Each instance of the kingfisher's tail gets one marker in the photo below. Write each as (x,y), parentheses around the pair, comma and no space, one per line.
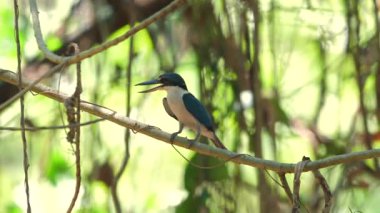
(217,142)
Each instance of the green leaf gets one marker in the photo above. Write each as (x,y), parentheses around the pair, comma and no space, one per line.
(53,42)
(57,168)
(13,208)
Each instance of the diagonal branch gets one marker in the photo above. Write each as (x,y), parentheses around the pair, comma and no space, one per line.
(157,133)
(56,68)
(285,185)
(65,61)
(88,53)
(326,190)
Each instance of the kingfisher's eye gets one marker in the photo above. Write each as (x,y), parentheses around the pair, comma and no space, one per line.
(164,81)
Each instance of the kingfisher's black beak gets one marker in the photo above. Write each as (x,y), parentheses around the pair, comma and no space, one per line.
(154,81)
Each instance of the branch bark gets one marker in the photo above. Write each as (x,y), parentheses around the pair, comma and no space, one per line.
(93,51)
(22,110)
(74,100)
(326,190)
(154,132)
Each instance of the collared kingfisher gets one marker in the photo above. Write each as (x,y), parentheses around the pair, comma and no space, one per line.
(184,107)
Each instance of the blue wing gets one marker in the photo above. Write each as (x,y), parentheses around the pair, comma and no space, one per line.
(197,110)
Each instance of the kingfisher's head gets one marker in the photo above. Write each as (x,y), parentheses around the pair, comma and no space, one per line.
(165,80)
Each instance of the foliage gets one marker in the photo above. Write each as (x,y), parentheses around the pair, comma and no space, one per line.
(283,80)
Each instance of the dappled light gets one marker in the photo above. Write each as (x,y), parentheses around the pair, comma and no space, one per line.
(274,106)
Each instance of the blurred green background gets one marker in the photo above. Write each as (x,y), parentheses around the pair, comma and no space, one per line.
(283,80)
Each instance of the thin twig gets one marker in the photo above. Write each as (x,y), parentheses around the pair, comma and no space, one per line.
(297,183)
(326,190)
(377,75)
(76,98)
(354,39)
(285,185)
(40,128)
(95,50)
(27,88)
(256,142)
(202,166)
(22,109)
(127,133)
(158,134)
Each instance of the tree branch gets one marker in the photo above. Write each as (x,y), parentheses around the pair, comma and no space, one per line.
(158,134)
(88,53)
(326,190)
(285,185)
(297,183)
(56,68)
(22,110)
(74,101)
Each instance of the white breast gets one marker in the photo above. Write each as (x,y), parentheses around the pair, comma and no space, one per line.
(176,104)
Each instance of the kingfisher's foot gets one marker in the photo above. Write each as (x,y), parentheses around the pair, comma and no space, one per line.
(192,141)
(172,137)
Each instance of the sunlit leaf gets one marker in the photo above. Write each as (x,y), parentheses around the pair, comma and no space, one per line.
(57,167)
